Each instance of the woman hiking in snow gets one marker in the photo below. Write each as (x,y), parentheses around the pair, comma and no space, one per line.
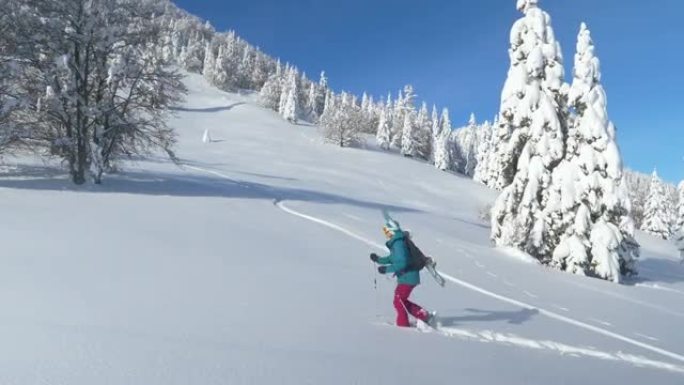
(398,262)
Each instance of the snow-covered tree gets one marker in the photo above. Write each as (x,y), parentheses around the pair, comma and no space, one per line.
(484,151)
(434,117)
(311,103)
(341,122)
(321,92)
(269,96)
(245,68)
(228,61)
(443,143)
(424,134)
(679,215)
(102,88)
(658,211)
(466,143)
(531,134)
(290,109)
(532,97)
(384,129)
(403,105)
(9,73)
(638,186)
(260,71)
(409,145)
(588,208)
(209,68)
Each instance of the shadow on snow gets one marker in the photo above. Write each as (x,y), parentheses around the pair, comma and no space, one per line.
(477,315)
(208,109)
(175,185)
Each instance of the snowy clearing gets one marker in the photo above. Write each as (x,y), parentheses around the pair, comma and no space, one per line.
(249,265)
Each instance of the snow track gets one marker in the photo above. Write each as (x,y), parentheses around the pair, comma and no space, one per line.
(279,203)
(502,298)
(560,348)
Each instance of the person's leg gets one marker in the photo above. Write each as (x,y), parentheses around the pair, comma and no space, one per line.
(401,295)
(415,309)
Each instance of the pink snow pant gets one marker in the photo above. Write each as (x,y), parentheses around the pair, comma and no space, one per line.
(403,305)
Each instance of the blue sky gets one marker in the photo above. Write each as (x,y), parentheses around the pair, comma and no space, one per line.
(454,52)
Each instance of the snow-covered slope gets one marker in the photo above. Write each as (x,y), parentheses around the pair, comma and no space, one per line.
(249,265)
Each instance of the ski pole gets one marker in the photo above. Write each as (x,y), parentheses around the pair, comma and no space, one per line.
(375,287)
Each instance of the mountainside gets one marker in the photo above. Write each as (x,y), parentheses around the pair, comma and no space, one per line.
(248,264)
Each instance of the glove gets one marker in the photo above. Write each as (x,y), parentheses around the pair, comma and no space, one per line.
(382,269)
(374,257)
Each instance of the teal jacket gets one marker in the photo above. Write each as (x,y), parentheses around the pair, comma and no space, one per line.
(398,260)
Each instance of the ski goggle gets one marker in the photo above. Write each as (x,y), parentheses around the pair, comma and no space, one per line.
(387,231)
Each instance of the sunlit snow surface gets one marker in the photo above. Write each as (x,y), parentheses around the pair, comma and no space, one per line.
(249,265)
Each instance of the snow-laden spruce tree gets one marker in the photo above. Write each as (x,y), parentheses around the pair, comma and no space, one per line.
(397,120)
(221,74)
(269,96)
(531,134)
(424,135)
(227,61)
(658,210)
(409,140)
(260,72)
(209,68)
(321,92)
(466,142)
(679,215)
(484,151)
(638,186)
(244,70)
(434,118)
(290,108)
(384,132)
(311,103)
(535,74)
(403,105)
(588,207)
(442,143)
(284,91)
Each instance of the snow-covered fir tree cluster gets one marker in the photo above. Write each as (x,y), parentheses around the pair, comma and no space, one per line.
(100,91)
(91,82)
(556,160)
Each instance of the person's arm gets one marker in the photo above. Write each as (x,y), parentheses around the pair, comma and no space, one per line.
(399,262)
(385,260)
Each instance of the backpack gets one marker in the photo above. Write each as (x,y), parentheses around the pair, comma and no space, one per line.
(417,260)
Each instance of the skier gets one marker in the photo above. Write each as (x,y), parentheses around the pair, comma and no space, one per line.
(397,263)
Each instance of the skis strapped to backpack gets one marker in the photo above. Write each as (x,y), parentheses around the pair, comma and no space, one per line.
(418,260)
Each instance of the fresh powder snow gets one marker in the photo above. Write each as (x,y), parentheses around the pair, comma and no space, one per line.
(248,264)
